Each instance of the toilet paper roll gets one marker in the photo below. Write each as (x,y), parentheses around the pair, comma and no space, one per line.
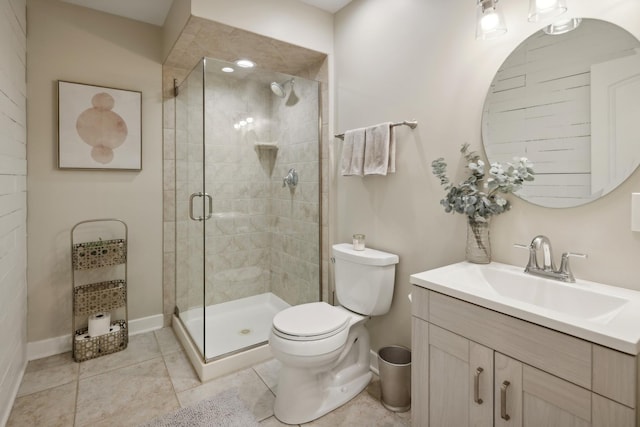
(99,324)
(82,337)
(114,328)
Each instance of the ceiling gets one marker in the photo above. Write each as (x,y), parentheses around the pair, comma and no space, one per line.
(155,11)
(329,5)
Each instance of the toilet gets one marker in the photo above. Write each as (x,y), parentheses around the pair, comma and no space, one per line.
(324,349)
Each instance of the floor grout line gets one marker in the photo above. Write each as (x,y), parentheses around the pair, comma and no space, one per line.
(269,370)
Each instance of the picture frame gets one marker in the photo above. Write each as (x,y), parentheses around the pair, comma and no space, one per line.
(99,127)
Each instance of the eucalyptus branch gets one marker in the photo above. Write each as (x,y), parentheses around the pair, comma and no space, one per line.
(476,197)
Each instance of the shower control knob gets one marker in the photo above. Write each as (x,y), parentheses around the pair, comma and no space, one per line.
(291,179)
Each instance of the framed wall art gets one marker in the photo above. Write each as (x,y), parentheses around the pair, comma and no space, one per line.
(99,127)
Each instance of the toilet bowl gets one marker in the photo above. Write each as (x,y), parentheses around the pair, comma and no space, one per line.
(319,372)
(324,349)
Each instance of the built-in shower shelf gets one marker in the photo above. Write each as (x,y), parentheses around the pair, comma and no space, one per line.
(267,146)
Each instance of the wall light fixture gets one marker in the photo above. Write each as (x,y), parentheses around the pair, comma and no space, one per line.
(562,26)
(543,9)
(490,21)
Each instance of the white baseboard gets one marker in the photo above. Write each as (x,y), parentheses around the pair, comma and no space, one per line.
(6,411)
(58,345)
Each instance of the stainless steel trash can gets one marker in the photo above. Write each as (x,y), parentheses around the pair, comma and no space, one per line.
(394,364)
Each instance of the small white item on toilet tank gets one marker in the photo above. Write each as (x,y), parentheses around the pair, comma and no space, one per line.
(358,242)
(635,211)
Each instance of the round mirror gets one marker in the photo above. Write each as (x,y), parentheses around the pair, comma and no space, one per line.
(570,103)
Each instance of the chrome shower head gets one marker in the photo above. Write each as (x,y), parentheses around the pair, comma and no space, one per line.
(279,88)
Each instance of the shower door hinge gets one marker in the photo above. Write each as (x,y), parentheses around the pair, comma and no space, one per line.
(176,89)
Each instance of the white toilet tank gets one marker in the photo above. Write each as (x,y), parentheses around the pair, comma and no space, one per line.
(364,279)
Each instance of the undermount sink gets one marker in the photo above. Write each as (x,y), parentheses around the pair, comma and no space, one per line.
(604,314)
(570,299)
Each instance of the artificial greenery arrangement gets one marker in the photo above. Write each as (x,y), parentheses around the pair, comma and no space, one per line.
(477,198)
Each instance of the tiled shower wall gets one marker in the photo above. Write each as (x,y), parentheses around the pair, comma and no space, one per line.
(237,237)
(295,214)
(263,237)
(189,139)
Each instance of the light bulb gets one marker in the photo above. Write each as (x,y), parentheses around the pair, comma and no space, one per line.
(249,119)
(489,21)
(546,4)
(245,63)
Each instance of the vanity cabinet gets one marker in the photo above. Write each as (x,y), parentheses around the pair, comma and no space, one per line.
(476,367)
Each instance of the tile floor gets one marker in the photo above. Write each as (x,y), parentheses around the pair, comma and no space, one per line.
(153,377)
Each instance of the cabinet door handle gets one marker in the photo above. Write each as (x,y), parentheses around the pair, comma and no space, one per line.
(476,386)
(503,401)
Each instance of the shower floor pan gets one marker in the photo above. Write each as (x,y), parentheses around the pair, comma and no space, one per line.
(235,333)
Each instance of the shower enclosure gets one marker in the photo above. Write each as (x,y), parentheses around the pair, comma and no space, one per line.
(247,183)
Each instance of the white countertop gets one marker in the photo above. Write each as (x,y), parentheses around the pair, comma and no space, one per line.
(564,307)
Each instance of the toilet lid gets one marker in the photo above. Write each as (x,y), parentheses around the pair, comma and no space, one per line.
(313,320)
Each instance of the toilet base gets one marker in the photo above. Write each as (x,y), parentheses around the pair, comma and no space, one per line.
(334,397)
(306,394)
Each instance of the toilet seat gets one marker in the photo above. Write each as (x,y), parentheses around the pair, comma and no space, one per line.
(310,322)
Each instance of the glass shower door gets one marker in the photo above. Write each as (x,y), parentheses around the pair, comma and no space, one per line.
(246,246)
(193,206)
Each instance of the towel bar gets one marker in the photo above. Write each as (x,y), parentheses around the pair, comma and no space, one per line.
(411,123)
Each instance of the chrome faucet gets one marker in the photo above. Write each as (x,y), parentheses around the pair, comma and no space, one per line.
(548,268)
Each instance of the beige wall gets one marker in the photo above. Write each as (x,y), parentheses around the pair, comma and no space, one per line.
(420,60)
(71,43)
(287,20)
(174,23)
(13,206)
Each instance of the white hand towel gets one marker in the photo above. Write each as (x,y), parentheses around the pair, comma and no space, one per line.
(353,152)
(380,150)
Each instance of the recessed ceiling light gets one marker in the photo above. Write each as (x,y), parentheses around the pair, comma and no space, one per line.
(227,70)
(245,63)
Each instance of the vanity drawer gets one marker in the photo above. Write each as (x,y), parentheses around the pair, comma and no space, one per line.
(551,351)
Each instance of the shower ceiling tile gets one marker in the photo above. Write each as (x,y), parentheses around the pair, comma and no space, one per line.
(204,38)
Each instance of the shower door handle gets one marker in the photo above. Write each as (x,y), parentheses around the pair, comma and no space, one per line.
(200,218)
(210,214)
